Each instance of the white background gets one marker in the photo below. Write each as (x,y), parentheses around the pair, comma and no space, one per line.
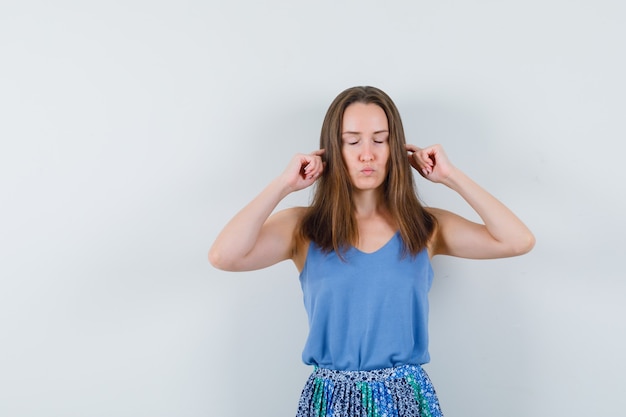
(131,131)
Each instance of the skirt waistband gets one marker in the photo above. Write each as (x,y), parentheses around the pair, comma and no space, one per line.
(376,375)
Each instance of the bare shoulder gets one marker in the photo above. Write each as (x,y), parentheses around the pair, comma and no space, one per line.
(285,223)
(440,214)
(444,220)
(290,219)
(287,219)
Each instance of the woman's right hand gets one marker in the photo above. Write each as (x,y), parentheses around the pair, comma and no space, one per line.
(255,238)
(303,170)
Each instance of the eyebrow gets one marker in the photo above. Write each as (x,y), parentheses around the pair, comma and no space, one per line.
(349,132)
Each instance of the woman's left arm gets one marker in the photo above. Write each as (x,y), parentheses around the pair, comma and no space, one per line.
(502,235)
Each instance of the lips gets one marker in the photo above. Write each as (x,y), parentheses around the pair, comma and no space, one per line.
(367,171)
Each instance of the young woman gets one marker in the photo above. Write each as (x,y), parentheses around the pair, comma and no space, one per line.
(363,249)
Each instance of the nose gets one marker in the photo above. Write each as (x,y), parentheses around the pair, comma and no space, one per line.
(366,153)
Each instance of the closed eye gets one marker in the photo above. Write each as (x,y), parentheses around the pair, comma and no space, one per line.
(381,137)
(351,141)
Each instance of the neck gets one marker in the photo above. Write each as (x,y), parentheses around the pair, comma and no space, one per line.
(368,203)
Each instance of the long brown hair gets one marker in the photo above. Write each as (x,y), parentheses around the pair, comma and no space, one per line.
(330,221)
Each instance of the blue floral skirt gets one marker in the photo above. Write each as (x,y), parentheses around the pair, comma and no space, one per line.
(404,391)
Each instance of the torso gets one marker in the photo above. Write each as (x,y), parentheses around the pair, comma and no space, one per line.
(366,310)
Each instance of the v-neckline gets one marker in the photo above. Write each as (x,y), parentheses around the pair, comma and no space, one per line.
(387,243)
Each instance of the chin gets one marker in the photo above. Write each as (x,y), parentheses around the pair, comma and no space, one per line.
(364,186)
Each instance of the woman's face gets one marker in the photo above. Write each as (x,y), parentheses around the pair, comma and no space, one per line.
(365,144)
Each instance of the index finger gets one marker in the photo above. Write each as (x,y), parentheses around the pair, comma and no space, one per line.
(412,148)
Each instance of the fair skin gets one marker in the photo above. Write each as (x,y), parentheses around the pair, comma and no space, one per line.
(365,151)
(255,238)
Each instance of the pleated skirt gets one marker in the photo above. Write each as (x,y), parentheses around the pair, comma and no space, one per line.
(404,391)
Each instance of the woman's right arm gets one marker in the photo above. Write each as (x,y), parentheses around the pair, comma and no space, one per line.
(255,238)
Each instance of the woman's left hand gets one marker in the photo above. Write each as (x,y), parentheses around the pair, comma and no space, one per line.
(431,162)
(501,235)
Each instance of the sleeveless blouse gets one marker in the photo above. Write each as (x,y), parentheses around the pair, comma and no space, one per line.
(368,311)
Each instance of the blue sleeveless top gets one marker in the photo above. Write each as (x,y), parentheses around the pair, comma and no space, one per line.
(369,311)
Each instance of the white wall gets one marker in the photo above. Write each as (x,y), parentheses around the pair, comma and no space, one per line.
(132,130)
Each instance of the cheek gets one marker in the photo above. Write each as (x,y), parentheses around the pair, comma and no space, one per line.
(347,154)
(345,160)
(387,161)
(344,157)
(386,154)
